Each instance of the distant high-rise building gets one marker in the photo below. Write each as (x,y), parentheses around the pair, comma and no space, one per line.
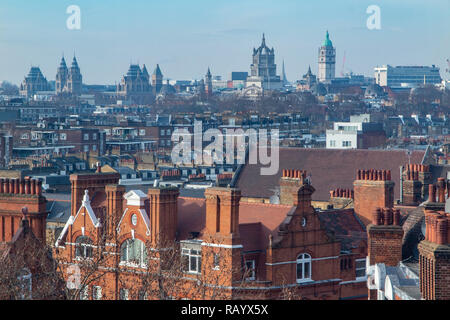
(69,80)
(135,85)
(33,82)
(406,76)
(157,80)
(327,60)
(264,67)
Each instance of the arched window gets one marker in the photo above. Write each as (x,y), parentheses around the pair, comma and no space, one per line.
(83,247)
(303,267)
(133,251)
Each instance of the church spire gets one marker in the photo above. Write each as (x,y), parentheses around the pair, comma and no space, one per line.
(263,44)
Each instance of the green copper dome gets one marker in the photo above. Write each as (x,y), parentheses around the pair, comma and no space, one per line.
(327,42)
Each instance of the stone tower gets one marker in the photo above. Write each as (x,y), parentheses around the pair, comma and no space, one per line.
(61,76)
(208,83)
(263,66)
(327,60)
(157,80)
(75,80)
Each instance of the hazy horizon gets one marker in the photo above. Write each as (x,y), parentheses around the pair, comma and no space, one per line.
(187,37)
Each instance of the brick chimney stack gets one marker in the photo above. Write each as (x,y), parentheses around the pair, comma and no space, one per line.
(115,205)
(94,182)
(385,237)
(222,213)
(291,181)
(15,194)
(372,189)
(163,214)
(416,178)
(221,234)
(434,257)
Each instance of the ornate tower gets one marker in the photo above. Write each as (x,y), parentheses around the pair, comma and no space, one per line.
(61,76)
(33,82)
(263,67)
(208,83)
(157,80)
(75,80)
(327,60)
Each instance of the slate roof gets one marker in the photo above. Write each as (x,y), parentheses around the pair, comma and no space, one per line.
(345,226)
(329,169)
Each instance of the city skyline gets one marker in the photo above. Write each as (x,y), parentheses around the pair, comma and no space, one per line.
(185,40)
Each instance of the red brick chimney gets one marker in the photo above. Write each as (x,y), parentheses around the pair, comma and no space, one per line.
(15,194)
(94,182)
(434,257)
(221,234)
(291,181)
(222,212)
(416,178)
(372,189)
(385,237)
(163,211)
(115,206)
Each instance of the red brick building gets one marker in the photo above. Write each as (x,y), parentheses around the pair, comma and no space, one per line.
(27,269)
(239,249)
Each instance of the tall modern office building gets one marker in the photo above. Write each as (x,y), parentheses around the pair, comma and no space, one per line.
(406,76)
(327,60)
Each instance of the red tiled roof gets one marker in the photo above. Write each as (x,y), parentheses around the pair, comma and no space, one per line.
(258,220)
(329,169)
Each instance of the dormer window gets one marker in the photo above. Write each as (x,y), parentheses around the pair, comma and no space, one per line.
(133,252)
(83,247)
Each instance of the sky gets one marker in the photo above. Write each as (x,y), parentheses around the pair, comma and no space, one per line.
(187,36)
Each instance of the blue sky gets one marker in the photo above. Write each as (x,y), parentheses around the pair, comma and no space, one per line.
(185,37)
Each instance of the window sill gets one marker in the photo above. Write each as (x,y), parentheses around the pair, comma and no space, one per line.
(304,280)
(132,265)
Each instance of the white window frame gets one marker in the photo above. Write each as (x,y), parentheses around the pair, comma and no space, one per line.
(360,268)
(84,247)
(84,293)
(216,261)
(303,260)
(142,254)
(96,293)
(123,294)
(193,255)
(252,274)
